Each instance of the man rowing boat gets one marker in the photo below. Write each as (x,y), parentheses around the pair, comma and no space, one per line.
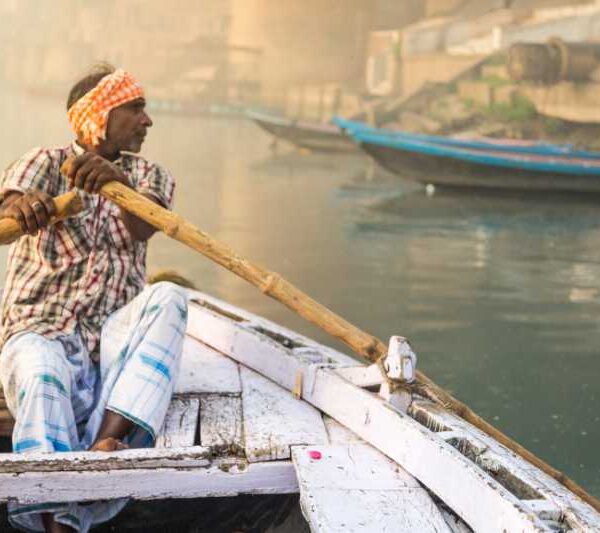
(89,356)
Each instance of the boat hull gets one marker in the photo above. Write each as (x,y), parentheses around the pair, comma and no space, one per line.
(245,512)
(303,134)
(452,172)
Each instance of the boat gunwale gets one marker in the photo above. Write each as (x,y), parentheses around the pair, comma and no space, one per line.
(483,143)
(548,164)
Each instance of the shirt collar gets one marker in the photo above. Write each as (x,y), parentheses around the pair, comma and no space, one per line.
(78,150)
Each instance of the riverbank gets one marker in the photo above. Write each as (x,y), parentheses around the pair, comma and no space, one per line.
(489,104)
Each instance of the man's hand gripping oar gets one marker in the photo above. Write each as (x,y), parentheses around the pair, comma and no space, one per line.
(65,206)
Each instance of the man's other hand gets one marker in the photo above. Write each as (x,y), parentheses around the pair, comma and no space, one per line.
(89,172)
(31,210)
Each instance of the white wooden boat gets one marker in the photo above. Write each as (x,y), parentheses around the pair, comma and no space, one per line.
(260,409)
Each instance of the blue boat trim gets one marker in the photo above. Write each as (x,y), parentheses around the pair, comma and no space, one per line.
(539,148)
(547,164)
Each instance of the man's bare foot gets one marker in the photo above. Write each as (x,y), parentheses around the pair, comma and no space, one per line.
(109,444)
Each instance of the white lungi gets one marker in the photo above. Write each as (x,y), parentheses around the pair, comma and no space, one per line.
(58,395)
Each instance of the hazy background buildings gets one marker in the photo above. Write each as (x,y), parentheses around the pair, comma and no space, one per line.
(233,49)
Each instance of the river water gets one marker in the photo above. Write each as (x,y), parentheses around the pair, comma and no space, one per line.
(498,294)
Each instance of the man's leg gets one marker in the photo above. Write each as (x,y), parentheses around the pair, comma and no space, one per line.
(37,378)
(140,353)
(113,431)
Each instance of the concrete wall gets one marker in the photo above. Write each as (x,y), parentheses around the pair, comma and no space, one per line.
(393,15)
(418,70)
(435,8)
(436,35)
(585,26)
(576,102)
(573,21)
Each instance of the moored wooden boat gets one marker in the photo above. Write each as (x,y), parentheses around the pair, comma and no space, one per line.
(477,143)
(260,409)
(303,133)
(460,167)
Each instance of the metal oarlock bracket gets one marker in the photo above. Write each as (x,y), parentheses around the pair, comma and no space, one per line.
(401,362)
(400,366)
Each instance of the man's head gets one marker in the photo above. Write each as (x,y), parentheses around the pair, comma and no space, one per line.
(107,111)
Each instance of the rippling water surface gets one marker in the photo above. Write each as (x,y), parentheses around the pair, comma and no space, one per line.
(498,294)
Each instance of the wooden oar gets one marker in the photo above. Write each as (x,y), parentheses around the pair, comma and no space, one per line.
(67,205)
(280,289)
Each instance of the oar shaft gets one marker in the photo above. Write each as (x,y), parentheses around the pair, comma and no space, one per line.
(67,205)
(268,282)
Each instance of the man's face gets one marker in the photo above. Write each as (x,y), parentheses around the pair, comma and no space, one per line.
(127,126)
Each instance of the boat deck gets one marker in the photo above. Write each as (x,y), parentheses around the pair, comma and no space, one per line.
(259,409)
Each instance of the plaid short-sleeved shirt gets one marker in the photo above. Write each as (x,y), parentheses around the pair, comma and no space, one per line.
(73,275)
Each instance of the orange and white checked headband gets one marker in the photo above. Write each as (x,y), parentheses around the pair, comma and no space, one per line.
(89,115)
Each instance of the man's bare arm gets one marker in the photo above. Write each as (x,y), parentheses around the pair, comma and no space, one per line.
(139,229)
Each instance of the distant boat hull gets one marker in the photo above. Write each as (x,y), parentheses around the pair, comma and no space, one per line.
(480,143)
(448,167)
(304,134)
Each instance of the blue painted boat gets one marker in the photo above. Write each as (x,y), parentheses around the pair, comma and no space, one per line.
(446,165)
(499,145)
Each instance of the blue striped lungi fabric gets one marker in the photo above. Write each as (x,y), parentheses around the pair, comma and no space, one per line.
(58,396)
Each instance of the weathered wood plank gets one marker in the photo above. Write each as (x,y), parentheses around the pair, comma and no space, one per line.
(181,421)
(397,435)
(204,370)
(246,346)
(249,320)
(221,423)
(339,434)
(425,456)
(225,478)
(455,524)
(351,466)
(145,458)
(363,375)
(512,470)
(356,488)
(274,420)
